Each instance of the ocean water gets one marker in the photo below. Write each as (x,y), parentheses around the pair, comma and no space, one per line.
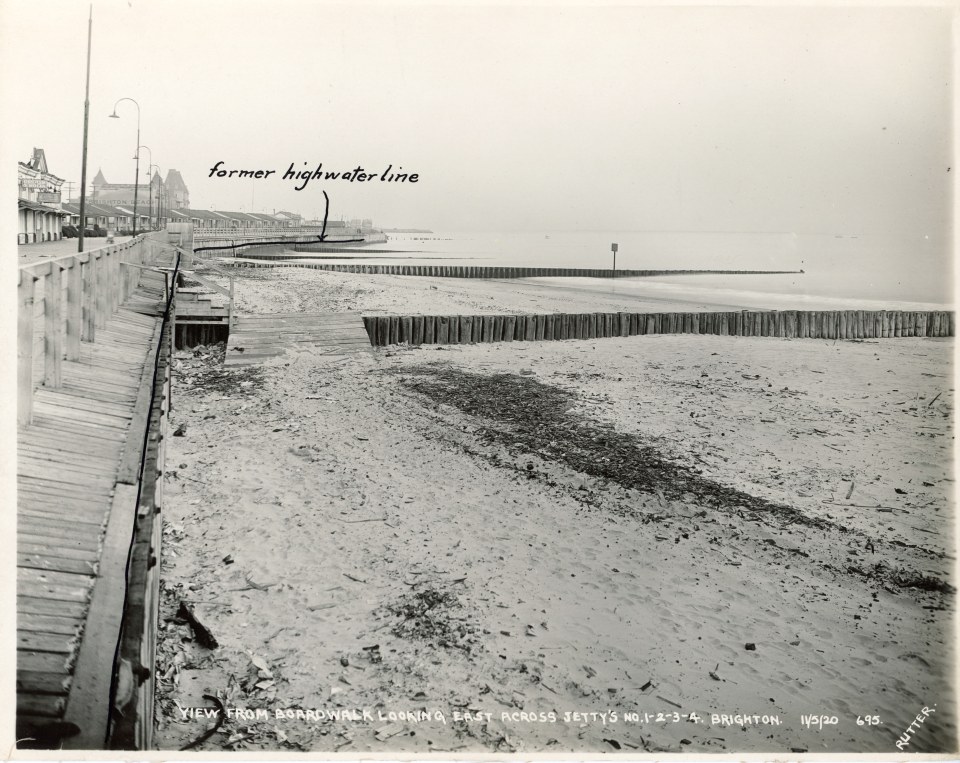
(885,268)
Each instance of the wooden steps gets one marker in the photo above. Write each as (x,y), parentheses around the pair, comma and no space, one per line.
(255,338)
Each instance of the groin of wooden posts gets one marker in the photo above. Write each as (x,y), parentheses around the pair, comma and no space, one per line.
(478,271)
(792,324)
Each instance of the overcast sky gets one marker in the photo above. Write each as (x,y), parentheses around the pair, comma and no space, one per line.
(535,118)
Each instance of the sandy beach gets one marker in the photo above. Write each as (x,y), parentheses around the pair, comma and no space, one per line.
(673,543)
(309,290)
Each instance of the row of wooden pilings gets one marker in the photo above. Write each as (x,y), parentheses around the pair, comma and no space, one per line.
(801,324)
(62,302)
(482,271)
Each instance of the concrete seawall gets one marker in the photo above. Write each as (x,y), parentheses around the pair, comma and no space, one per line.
(793,324)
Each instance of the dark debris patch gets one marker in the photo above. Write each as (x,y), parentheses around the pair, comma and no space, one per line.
(533,417)
(432,614)
(201,369)
(525,415)
(882,572)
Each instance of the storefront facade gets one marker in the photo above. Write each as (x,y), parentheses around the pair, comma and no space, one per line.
(39,209)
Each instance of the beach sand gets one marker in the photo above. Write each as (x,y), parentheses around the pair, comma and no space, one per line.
(658,525)
(318,290)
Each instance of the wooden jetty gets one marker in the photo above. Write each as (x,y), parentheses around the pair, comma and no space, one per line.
(90,340)
(384,330)
(256,338)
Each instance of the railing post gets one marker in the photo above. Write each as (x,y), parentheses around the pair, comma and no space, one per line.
(74,297)
(114,280)
(52,327)
(100,283)
(89,309)
(230,309)
(25,292)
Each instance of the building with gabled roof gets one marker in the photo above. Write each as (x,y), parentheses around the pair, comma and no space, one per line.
(39,213)
(177,193)
(288,219)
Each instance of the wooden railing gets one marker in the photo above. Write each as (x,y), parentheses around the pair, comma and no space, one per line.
(63,301)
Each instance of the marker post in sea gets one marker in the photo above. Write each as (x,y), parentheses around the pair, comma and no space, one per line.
(613,248)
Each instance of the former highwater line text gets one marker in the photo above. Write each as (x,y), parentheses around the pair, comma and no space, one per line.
(357,175)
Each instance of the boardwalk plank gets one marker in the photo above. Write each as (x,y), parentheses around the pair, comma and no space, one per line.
(49,624)
(54,562)
(46,705)
(38,682)
(46,642)
(43,662)
(27,605)
(30,547)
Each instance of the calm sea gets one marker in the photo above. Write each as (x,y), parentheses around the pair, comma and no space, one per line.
(916,269)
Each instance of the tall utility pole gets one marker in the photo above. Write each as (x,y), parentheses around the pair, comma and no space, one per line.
(86,119)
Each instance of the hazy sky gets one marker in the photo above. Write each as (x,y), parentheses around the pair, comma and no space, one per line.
(515,118)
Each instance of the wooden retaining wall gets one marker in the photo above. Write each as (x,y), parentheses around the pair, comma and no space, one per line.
(480,271)
(800,324)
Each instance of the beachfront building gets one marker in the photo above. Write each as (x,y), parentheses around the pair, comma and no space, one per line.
(288,219)
(202,219)
(39,212)
(253,223)
(177,194)
(109,217)
(153,198)
(266,221)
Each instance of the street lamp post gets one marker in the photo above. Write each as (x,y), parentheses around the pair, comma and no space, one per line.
(159,195)
(86,120)
(136,185)
(149,184)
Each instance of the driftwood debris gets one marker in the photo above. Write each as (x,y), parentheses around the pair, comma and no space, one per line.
(203,635)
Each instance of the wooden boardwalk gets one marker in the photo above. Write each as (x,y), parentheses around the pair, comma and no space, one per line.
(255,338)
(77,473)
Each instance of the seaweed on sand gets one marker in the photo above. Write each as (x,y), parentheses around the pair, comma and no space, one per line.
(526,415)
(428,616)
